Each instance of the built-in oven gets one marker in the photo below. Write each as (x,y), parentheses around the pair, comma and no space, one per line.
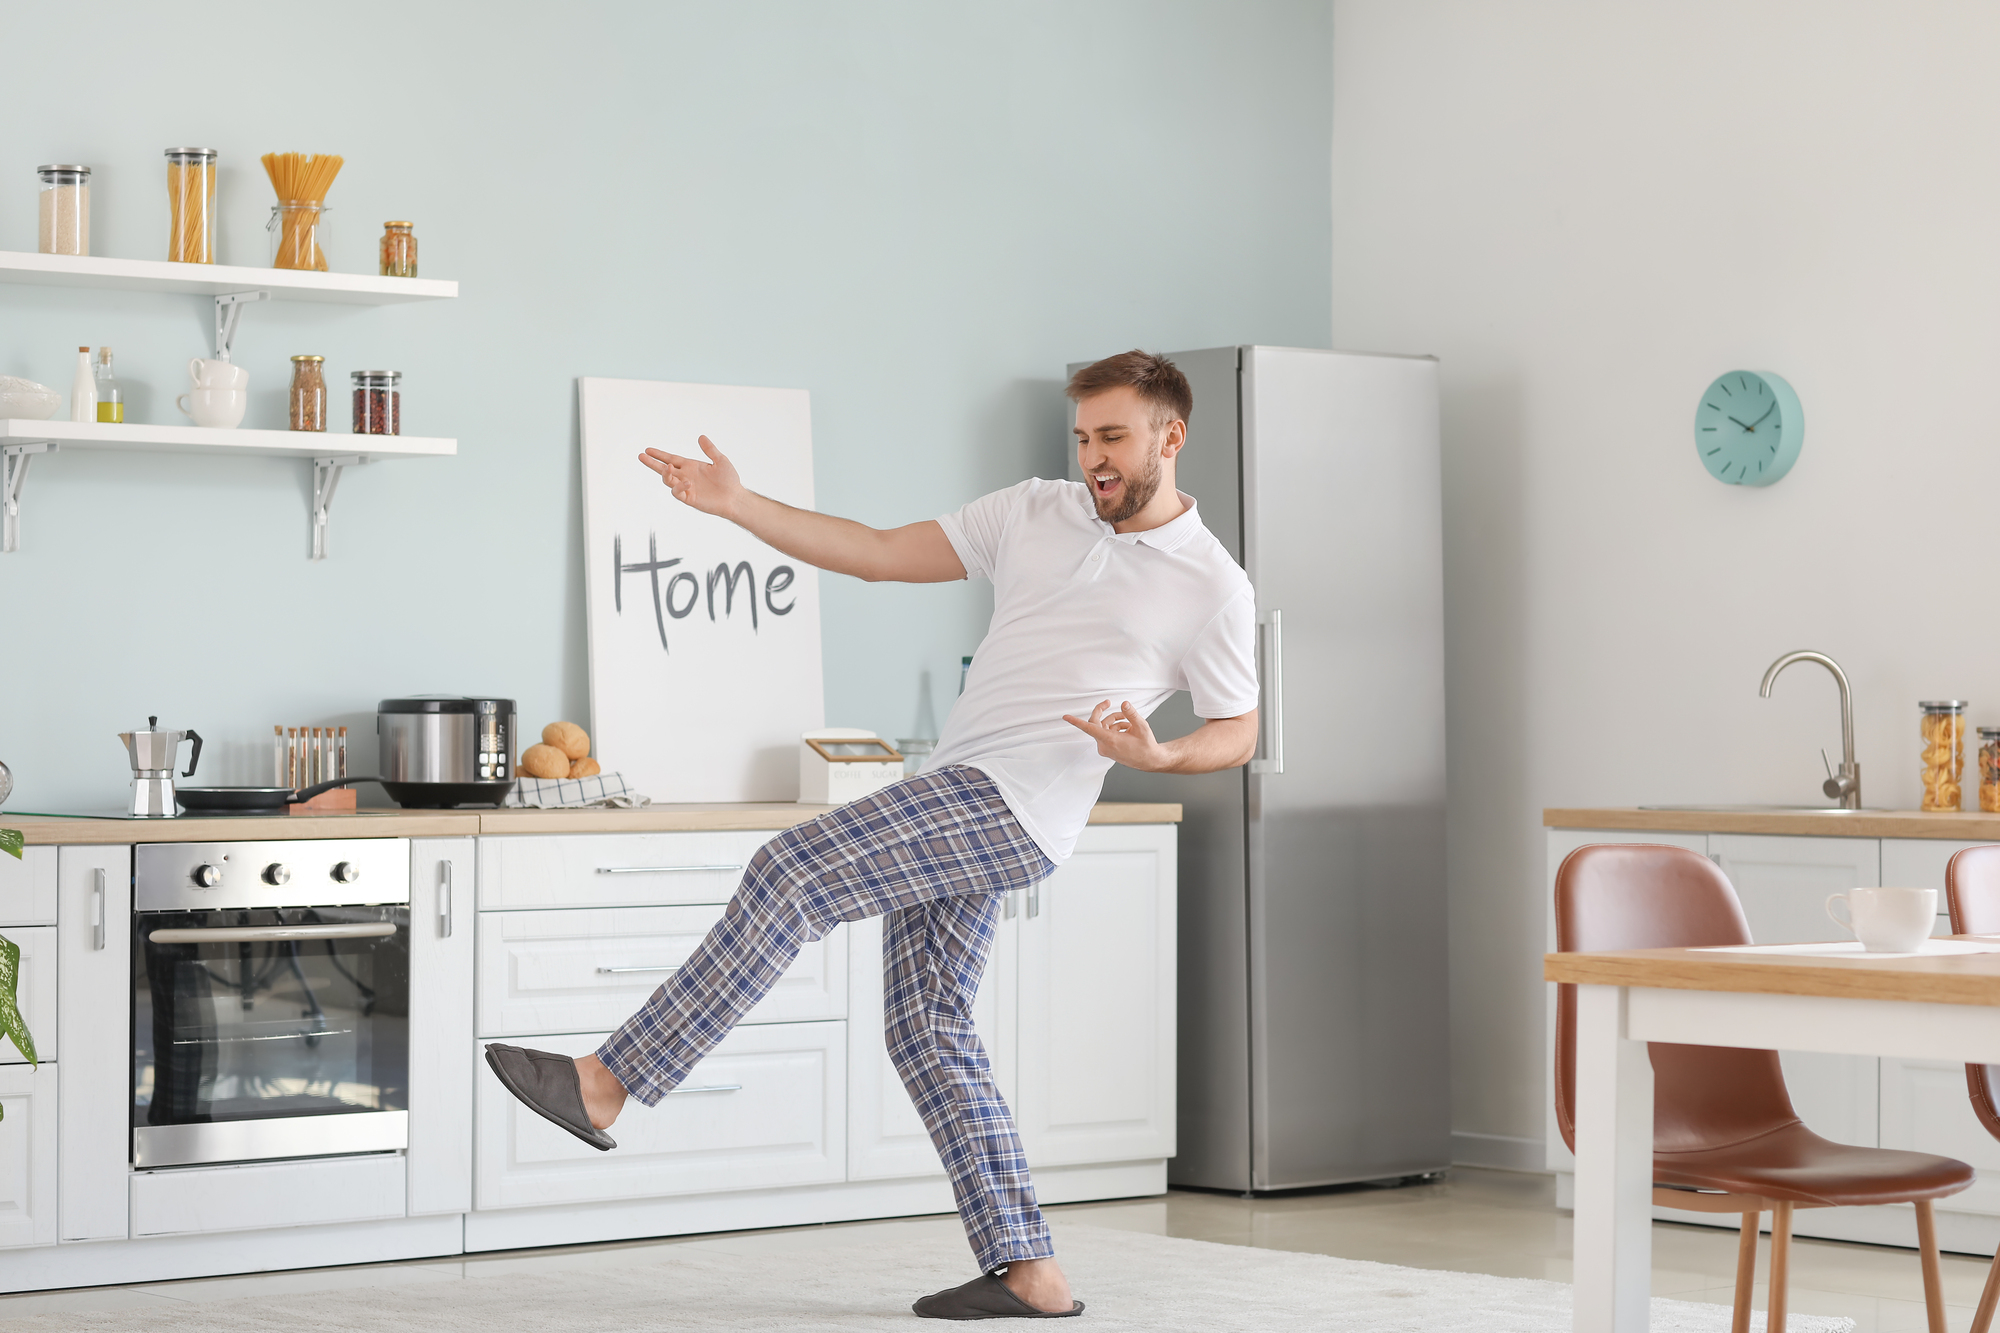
(270,1000)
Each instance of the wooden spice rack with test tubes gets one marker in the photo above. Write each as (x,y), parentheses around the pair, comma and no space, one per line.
(308,756)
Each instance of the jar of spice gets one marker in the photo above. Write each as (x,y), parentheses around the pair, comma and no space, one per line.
(399,250)
(191,205)
(1942,727)
(65,210)
(378,402)
(308,393)
(1989,769)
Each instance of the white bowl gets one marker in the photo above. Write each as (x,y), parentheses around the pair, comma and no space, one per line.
(27,400)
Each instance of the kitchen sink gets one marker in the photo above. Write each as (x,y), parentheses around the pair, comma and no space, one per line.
(1772,809)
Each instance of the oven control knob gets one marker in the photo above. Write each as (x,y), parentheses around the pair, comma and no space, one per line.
(276,874)
(346,872)
(207,876)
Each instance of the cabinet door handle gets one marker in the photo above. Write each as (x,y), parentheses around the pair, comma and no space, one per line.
(444,900)
(1035,899)
(1008,907)
(614,971)
(97,912)
(708,1087)
(657,870)
(1274,692)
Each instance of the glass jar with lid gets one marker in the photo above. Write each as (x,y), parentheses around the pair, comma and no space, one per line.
(1942,726)
(65,209)
(399,250)
(308,393)
(378,402)
(1989,769)
(191,205)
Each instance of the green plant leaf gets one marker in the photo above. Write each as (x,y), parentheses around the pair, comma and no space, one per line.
(11,1022)
(10,842)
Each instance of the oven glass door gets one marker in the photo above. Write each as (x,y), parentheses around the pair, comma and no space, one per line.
(269,1032)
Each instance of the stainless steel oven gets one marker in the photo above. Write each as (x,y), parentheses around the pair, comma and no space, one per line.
(270,999)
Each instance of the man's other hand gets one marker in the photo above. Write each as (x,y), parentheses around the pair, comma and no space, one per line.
(712,487)
(1122,736)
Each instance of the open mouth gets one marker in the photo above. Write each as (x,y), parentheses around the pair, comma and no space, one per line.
(1106,483)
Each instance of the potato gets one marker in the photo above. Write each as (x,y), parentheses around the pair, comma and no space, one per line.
(544,761)
(584,768)
(568,737)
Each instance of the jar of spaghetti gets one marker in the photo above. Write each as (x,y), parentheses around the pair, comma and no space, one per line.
(378,402)
(296,228)
(1942,726)
(399,250)
(191,205)
(1989,769)
(308,393)
(65,209)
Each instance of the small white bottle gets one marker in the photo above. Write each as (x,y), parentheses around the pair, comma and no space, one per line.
(83,389)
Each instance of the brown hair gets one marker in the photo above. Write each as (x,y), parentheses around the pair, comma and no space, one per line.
(1157,379)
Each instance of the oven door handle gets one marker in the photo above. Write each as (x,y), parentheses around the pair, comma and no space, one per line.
(359,930)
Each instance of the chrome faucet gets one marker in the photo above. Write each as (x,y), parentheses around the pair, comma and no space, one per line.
(1845,785)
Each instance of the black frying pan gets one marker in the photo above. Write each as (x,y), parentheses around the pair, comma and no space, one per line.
(252,800)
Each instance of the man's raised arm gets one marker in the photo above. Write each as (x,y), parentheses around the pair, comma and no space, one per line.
(918,553)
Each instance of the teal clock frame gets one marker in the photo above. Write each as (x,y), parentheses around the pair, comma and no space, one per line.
(1719,431)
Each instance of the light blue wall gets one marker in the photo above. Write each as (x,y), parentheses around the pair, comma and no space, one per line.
(917,211)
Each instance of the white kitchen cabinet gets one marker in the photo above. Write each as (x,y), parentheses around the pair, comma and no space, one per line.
(255,1195)
(28,1206)
(36,993)
(765,1108)
(612,869)
(94,984)
(1926,1107)
(588,970)
(1096,1042)
(443,931)
(28,888)
(1919,863)
(1783,883)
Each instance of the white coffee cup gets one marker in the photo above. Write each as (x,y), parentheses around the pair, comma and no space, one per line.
(1888,920)
(216,408)
(217,374)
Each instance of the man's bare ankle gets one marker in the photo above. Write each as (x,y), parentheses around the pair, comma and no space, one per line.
(603,1095)
(1039,1282)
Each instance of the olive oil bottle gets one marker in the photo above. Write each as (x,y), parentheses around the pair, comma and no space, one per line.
(110,398)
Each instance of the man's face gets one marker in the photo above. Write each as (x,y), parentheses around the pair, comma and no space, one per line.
(1120,450)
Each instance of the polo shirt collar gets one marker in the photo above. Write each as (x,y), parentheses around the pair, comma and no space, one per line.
(1167,537)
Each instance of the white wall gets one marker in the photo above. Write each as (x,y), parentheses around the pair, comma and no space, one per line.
(1588,210)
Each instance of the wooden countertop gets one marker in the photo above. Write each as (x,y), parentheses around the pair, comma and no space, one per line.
(1947,979)
(1960,826)
(47,830)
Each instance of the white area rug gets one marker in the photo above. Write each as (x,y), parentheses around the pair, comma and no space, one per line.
(1129,1280)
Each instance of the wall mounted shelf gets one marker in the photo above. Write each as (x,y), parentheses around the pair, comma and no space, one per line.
(159,275)
(21,441)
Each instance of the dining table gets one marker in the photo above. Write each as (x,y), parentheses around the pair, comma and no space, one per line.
(1941,1004)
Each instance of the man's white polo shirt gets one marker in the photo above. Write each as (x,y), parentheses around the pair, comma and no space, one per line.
(1082,614)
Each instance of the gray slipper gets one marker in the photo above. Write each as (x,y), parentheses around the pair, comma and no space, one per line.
(985,1297)
(547,1085)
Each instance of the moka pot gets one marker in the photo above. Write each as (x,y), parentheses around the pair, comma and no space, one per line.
(154,753)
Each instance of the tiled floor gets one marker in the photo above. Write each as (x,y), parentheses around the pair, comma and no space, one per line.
(1474,1221)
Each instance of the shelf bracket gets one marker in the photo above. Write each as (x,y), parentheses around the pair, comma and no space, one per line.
(14,459)
(326,476)
(228,308)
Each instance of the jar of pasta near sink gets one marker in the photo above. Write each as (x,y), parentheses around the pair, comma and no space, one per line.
(1941,724)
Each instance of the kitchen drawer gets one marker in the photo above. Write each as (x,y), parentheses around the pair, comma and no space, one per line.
(612,869)
(28,887)
(255,1195)
(546,971)
(767,1108)
(37,992)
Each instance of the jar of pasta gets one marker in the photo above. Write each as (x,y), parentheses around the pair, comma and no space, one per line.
(191,205)
(1989,769)
(1942,727)
(399,250)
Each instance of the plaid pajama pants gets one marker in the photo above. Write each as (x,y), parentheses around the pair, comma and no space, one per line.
(933,855)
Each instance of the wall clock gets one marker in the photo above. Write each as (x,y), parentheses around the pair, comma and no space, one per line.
(1748,428)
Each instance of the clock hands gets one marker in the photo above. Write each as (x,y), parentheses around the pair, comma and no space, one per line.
(1751,427)
(1746,428)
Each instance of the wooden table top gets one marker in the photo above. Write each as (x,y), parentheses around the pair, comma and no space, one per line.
(1945,979)
(1958,825)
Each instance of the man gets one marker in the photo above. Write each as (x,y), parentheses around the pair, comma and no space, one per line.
(1108,588)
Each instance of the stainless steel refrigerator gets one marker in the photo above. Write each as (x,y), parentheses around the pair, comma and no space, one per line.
(1313,1024)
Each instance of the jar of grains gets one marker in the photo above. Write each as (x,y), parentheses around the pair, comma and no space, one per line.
(65,210)
(1989,769)
(1942,727)
(308,395)
(378,402)
(191,205)
(399,250)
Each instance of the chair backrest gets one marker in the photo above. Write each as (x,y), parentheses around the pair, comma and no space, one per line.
(1641,896)
(1972,897)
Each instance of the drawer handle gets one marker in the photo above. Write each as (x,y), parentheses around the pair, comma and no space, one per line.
(612,971)
(657,870)
(709,1087)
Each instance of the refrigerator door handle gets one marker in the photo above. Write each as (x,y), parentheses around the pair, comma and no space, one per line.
(1271,627)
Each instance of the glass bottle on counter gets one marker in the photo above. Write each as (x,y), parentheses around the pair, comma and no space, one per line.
(191,205)
(1989,770)
(308,393)
(1942,726)
(64,209)
(110,398)
(399,250)
(378,402)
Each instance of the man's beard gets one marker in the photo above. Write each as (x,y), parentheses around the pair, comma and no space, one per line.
(1134,495)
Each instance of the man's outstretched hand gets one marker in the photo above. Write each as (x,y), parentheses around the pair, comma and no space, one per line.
(712,487)
(1122,736)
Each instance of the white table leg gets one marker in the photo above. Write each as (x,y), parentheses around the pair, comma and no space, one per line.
(1613,1241)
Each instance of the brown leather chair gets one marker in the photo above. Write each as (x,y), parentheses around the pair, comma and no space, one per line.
(1725,1137)
(1972,896)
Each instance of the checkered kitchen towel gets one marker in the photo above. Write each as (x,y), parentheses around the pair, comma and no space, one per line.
(606,789)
